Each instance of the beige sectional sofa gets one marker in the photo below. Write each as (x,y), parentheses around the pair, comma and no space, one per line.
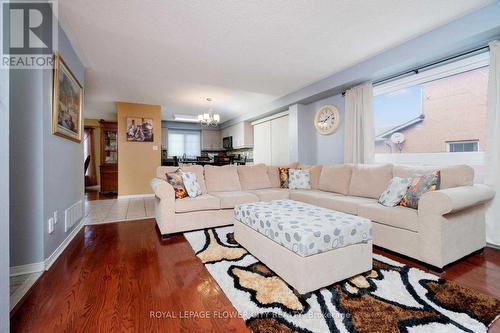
(448,225)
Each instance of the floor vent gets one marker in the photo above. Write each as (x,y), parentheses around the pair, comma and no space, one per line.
(72,215)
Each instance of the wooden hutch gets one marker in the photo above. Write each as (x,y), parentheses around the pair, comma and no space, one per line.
(109,157)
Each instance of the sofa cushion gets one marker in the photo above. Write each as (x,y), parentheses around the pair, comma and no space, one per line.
(369,180)
(222,178)
(335,178)
(314,172)
(201,202)
(299,179)
(231,199)
(253,177)
(274,174)
(399,217)
(162,171)
(269,194)
(310,196)
(343,203)
(451,176)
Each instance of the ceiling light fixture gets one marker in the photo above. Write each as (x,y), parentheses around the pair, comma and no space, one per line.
(209,119)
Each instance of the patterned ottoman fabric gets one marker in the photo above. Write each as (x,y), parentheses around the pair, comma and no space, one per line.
(302,228)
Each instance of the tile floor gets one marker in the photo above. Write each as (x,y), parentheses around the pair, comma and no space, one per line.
(114,210)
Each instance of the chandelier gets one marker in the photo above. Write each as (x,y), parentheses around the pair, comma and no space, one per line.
(209,118)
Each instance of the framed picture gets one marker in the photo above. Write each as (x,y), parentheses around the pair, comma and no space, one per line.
(67,102)
(140,129)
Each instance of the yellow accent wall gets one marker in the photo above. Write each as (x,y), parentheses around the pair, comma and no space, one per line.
(137,161)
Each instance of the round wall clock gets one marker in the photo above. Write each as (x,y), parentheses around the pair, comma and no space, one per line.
(327,119)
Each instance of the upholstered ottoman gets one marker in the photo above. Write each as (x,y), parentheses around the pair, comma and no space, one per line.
(307,246)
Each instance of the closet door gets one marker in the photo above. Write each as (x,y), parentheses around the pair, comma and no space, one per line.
(262,143)
(280,150)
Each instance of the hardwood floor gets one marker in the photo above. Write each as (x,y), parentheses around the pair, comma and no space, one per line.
(122,277)
(91,195)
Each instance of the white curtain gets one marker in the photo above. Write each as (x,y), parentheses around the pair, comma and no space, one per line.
(493,153)
(359,141)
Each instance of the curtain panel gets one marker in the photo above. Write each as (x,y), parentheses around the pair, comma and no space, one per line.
(359,143)
(493,153)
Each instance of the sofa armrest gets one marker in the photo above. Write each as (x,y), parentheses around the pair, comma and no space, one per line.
(162,189)
(454,199)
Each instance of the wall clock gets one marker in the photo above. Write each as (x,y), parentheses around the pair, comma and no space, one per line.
(327,119)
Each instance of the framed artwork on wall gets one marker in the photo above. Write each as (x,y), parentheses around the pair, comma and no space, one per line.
(67,102)
(140,129)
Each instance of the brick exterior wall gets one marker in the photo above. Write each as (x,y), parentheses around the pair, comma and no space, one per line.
(454,109)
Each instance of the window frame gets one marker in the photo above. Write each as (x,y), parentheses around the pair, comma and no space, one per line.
(435,73)
(449,143)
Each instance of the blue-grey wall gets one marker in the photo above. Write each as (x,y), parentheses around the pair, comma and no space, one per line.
(46,171)
(4,202)
(26,166)
(306,144)
(63,159)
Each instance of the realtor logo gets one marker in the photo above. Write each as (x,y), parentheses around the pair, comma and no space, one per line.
(29,34)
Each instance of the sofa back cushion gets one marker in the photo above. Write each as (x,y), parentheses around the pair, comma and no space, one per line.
(253,177)
(369,180)
(274,174)
(314,173)
(161,172)
(335,178)
(222,178)
(451,176)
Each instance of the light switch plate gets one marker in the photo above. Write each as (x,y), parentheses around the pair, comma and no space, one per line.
(155,147)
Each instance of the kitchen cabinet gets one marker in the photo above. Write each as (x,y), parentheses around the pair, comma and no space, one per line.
(242,134)
(211,140)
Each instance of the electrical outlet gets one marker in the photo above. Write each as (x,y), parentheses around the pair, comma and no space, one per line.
(51,225)
(55,217)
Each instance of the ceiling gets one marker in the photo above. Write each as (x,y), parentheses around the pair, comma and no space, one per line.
(243,54)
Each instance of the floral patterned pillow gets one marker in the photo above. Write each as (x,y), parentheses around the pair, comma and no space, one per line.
(175,179)
(299,179)
(283,177)
(395,191)
(420,185)
(191,184)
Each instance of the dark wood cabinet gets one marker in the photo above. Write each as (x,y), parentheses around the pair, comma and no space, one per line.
(109,157)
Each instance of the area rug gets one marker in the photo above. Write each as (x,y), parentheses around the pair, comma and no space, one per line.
(392,297)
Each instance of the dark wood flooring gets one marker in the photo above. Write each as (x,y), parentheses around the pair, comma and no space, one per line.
(91,194)
(114,277)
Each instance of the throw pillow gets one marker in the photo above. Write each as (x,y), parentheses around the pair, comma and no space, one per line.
(299,179)
(418,186)
(395,191)
(283,177)
(191,184)
(175,179)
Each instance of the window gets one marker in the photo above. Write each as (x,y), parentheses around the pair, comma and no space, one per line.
(182,142)
(463,146)
(441,113)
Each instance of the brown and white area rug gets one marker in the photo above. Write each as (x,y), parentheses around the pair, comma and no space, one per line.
(391,298)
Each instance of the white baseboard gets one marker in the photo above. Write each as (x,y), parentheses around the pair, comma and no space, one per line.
(136,196)
(27,269)
(494,246)
(53,257)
